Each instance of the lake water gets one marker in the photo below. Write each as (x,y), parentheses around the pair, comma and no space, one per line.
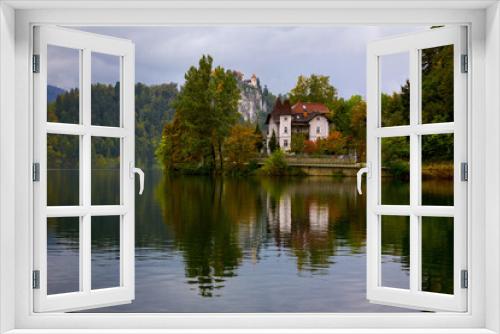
(247,244)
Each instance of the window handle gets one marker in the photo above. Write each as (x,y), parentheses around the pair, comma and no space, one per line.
(135,170)
(359,176)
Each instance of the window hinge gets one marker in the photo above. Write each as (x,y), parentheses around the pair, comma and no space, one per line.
(36,279)
(464,279)
(36,63)
(464,171)
(465,63)
(36,172)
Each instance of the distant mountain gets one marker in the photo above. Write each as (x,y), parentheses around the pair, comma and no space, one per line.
(53,92)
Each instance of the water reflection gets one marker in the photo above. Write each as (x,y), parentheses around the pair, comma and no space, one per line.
(259,245)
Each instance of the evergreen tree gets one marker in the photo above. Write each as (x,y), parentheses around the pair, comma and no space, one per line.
(206,109)
(259,144)
(273,143)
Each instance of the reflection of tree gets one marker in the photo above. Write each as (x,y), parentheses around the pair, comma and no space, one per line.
(203,229)
(437,254)
(395,239)
(218,222)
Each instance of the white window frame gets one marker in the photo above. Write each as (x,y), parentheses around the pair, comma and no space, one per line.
(412,45)
(16,20)
(85,44)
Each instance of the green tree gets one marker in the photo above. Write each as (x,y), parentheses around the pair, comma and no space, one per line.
(275,164)
(206,109)
(224,96)
(396,156)
(358,129)
(297,144)
(342,109)
(396,107)
(316,88)
(437,84)
(273,143)
(152,110)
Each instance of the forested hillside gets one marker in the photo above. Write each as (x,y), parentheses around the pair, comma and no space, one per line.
(152,110)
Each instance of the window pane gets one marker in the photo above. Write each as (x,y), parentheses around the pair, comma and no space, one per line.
(63,250)
(437,84)
(395,248)
(395,89)
(395,171)
(63,175)
(63,82)
(105,252)
(105,171)
(437,254)
(105,90)
(437,169)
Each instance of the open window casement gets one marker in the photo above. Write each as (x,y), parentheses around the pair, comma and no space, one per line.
(451,218)
(77,134)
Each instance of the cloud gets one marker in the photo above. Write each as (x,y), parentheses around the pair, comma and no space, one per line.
(277,55)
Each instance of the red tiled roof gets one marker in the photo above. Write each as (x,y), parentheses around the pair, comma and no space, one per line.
(310,107)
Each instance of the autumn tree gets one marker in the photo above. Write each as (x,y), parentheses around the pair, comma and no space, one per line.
(334,144)
(240,147)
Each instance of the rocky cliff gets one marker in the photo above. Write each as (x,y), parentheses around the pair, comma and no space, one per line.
(255,102)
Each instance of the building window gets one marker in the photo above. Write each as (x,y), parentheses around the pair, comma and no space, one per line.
(285,143)
(286,130)
(318,129)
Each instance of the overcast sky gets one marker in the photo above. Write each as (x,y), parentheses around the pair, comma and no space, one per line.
(277,55)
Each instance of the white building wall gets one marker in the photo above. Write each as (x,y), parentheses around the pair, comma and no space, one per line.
(318,123)
(285,132)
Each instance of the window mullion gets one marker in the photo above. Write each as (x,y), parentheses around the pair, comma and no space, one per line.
(85,172)
(414,172)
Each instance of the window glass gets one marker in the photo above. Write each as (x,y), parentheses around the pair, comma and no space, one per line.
(395,171)
(105,164)
(105,252)
(63,255)
(437,254)
(437,84)
(437,169)
(395,89)
(105,90)
(63,85)
(395,251)
(63,170)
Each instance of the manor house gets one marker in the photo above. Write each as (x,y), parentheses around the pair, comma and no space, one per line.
(309,118)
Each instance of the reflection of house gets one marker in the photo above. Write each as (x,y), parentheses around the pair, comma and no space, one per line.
(280,216)
(308,118)
(285,213)
(318,217)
